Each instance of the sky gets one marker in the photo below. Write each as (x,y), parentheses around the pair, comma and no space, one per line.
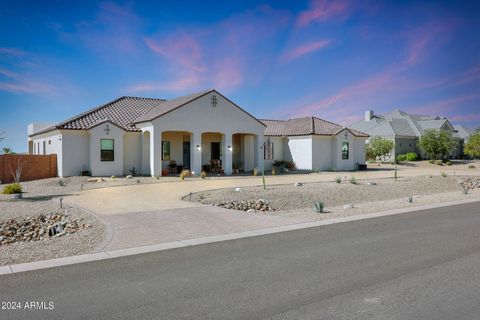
(276,59)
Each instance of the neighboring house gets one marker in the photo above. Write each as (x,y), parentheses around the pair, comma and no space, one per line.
(405,129)
(315,144)
(197,132)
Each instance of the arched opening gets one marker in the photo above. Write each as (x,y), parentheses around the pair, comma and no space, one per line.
(243,152)
(212,152)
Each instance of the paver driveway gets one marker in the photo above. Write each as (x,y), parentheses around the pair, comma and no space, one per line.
(154,213)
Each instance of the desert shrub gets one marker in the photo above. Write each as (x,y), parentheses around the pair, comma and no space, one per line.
(439,162)
(443,174)
(61,183)
(448,163)
(133,171)
(274,171)
(203,174)
(410,199)
(319,206)
(471,166)
(353,180)
(256,171)
(431,161)
(113,177)
(465,190)
(338,179)
(411,156)
(401,157)
(183,174)
(290,165)
(13,188)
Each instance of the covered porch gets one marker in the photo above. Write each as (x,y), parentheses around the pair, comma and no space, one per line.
(170,152)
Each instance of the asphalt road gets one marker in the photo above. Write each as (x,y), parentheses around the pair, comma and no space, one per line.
(422,265)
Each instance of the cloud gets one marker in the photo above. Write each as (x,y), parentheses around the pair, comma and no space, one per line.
(218,55)
(12,51)
(419,42)
(322,10)
(445,106)
(22,83)
(305,49)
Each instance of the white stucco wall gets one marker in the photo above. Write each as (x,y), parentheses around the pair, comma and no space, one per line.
(106,168)
(278,146)
(132,147)
(75,152)
(359,150)
(301,151)
(322,153)
(199,116)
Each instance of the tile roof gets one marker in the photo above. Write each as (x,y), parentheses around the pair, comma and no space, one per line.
(121,112)
(305,126)
(170,105)
(400,123)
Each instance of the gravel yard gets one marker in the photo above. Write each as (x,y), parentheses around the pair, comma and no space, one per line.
(365,196)
(37,200)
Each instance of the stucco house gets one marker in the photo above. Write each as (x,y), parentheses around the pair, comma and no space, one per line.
(405,129)
(201,131)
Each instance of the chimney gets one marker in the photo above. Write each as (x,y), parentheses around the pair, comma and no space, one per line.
(368,115)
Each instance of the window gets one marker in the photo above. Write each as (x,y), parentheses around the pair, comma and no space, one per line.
(106,150)
(345,150)
(49,141)
(166,150)
(268,151)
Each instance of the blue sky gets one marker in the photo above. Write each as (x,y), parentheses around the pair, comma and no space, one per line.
(277,59)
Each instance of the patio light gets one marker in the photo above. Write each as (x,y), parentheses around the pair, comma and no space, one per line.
(229,148)
(198,147)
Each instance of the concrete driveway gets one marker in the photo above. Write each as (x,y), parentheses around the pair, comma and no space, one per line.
(146,214)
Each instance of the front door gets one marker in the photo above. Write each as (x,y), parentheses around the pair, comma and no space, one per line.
(186,155)
(215,151)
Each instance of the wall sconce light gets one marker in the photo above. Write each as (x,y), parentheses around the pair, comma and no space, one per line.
(229,148)
(198,147)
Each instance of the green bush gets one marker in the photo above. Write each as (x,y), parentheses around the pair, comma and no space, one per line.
(471,166)
(443,174)
(412,156)
(439,162)
(338,179)
(401,157)
(353,180)
(13,188)
(290,165)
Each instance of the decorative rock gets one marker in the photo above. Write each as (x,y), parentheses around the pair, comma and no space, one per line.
(129,177)
(92,180)
(348,206)
(248,205)
(26,229)
(238,189)
(372,183)
(298,184)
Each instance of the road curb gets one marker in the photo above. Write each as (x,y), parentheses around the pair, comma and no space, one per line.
(109,254)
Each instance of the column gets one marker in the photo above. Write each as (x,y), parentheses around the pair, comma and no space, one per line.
(227,153)
(156,152)
(196,152)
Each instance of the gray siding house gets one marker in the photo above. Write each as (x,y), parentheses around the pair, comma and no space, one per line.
(405,129)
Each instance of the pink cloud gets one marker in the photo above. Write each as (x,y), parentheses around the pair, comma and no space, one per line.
(472,117)
(219,55)
(321,10)
(444,106)
(20,83)
(305,49)
(13,51)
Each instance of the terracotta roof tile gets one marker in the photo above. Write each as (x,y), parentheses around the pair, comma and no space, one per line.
(305,126)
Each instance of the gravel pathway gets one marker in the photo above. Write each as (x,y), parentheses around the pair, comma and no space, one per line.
(383,194)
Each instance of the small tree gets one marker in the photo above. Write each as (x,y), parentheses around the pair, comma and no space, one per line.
(436,144)
(472,147)
(7,150)
(378,147)
(17,173)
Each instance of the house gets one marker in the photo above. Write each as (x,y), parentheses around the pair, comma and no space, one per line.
(315,144)
(201,131)
(405,129)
